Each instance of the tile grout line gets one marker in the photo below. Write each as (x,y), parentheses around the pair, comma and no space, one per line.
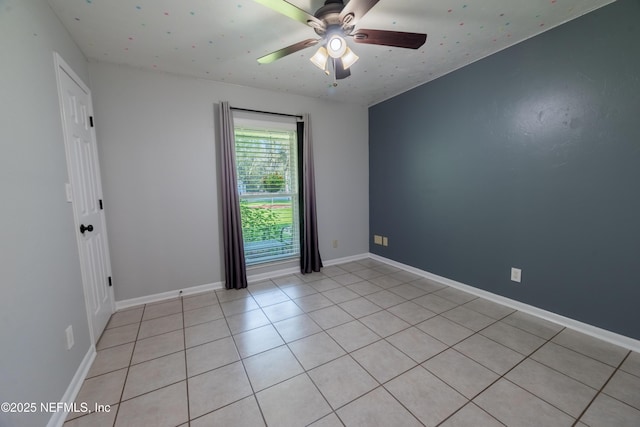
(139,323)
(450,347)
(130,365)
(349,353)
(382,309)
(285,343)
(168,385)
(186,366)
(380,385)
(562,328)
(577,352)
(228,364)
(323,330)
(600,391)
(124,384)
(304,370)
(548,340)
(500,376)
(335,411)
(184,338)
(240,359)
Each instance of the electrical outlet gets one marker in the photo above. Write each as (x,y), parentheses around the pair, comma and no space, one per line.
(516,274)
(70,341)
(385,241)
(335,244)
(377,239)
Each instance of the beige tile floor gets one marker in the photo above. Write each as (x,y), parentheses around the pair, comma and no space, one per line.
(361,344)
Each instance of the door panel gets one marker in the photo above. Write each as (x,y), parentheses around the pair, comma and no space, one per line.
(84,174)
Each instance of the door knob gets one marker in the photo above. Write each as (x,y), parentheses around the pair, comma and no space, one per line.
(88,228)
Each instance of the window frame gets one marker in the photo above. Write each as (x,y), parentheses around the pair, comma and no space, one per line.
(271,252)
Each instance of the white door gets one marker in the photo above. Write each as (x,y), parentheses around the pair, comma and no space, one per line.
(84,174)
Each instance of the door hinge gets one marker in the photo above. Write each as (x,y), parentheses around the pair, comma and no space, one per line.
(101,206)
(110,283)
(91,121)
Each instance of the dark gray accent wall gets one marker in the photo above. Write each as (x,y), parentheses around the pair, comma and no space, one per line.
(529,158)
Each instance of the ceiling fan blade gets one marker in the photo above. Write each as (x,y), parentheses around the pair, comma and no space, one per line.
(281,53)
(390,38)
(354,10)
(341,73)
(293,12)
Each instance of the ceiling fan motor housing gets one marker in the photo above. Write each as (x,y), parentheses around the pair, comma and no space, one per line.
(329,14)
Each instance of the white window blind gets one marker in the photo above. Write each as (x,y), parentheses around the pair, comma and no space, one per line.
(267,172)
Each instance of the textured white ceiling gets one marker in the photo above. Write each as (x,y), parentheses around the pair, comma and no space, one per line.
(221,39)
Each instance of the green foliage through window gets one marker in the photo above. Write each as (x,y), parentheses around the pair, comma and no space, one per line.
(258,223)
(273,183)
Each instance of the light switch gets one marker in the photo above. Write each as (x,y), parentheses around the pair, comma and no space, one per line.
(68,192)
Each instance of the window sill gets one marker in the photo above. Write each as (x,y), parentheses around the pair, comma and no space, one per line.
(288,259)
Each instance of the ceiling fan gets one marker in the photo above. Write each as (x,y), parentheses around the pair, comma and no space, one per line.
(333,22)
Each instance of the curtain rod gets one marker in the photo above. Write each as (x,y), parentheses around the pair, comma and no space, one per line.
(266,112)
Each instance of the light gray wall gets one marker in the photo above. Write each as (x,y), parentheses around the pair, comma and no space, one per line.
(40,270)
(157,142)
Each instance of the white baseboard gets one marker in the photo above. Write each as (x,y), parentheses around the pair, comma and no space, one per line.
(57,419)
(293,270)
(346,259)
(163,296)
(603,334)
(272,274)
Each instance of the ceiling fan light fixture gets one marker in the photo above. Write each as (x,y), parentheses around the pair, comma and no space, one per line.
(336,46)
(319,59)
(349,58)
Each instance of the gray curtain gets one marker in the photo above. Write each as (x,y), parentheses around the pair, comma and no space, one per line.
(309,253)
(234,267)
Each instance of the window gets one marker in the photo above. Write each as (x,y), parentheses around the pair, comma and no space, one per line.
(266,163)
